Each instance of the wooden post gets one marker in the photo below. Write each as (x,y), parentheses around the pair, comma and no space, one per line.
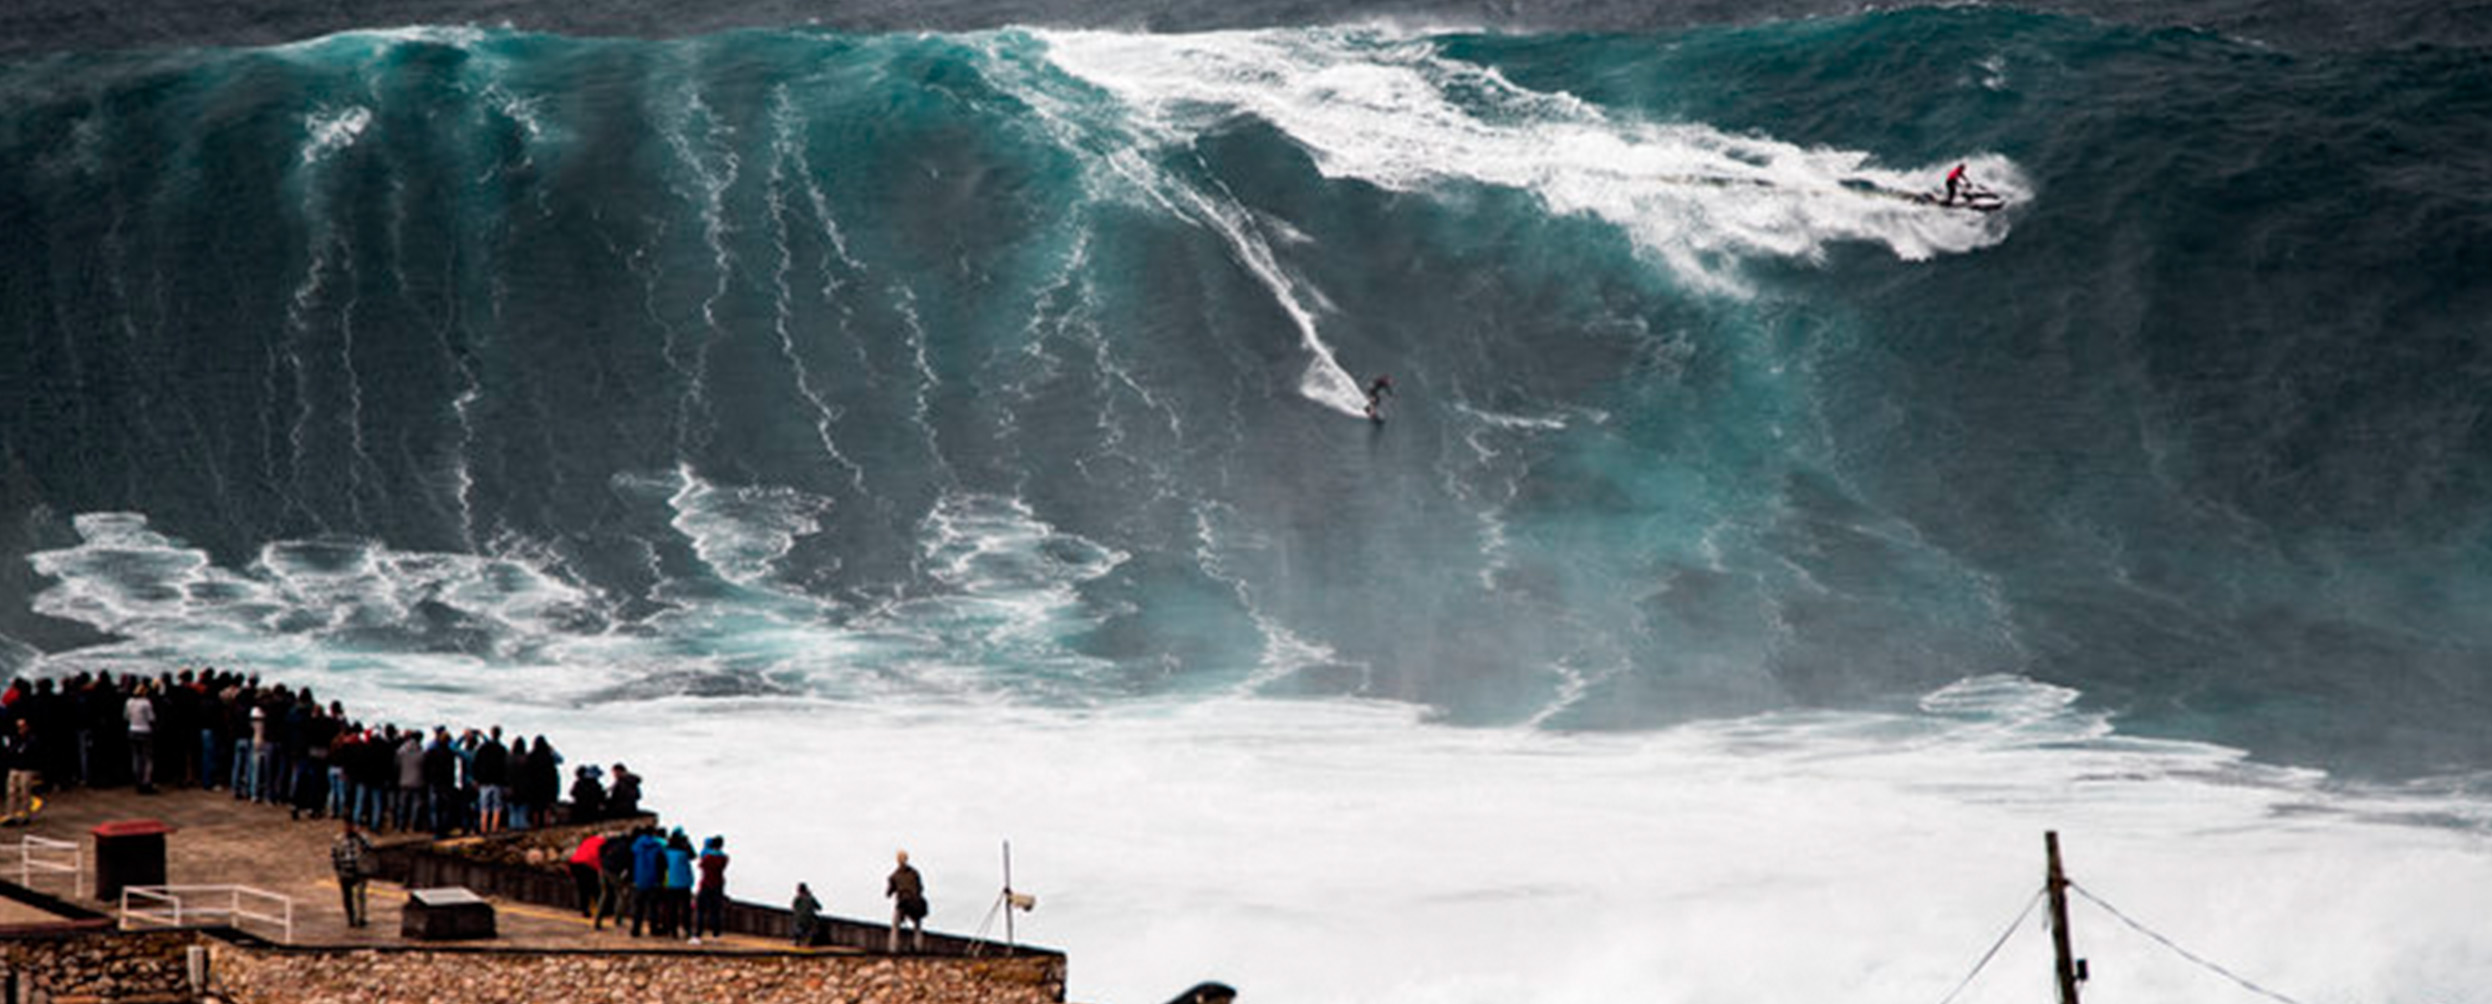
(2056,882)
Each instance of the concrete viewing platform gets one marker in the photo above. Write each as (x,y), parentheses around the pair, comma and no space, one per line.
(59,942)
(218,840)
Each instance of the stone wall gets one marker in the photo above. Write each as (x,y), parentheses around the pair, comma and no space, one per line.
(279,976)
(102,966)
(546,847)
(151,968)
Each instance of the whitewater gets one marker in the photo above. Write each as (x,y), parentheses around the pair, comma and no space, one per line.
(932,439)
(1350,850)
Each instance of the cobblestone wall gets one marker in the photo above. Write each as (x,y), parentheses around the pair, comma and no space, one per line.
(264,976)
(147,966)
(132,968)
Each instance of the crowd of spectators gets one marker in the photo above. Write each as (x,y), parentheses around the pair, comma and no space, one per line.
(270,743)
(280,745)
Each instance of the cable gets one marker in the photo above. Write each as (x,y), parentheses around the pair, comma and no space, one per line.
(2183,952)
(1995,946)
(978,941)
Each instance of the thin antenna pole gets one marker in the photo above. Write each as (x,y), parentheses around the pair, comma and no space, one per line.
(2056,883)
(1009,943)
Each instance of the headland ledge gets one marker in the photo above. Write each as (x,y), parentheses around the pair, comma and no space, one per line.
(203,836)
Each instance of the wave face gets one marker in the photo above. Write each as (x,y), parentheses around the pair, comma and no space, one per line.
(1026,365)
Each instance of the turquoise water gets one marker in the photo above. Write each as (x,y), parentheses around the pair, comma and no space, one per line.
(919,438)
(1692,419)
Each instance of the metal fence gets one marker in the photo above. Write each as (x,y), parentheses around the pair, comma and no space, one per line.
(196,905)
(42,856)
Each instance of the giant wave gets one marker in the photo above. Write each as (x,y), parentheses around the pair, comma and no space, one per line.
(756,322)
(983,407)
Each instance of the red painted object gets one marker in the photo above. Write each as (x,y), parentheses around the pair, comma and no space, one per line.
(128,852)
(132,828)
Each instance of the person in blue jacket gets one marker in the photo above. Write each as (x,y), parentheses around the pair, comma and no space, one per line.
(648,877)
(677,912)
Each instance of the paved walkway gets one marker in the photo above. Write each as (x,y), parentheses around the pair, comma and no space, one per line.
(218,840)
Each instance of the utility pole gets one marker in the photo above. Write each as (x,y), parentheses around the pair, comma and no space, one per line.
(2068,968)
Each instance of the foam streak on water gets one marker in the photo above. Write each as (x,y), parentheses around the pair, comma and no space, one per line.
(1393,112)
(1345,851)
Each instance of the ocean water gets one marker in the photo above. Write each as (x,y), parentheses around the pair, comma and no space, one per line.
(942,426)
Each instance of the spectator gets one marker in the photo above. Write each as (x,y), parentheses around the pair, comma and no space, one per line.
(289,712)
(907,891)
(441,781)
(807,923)
(351,855)
(263,753)
(311,778)
(373,767)
(25,759)
(177,728)
(544,783)
(328,731)
(140,711)
(648,877)
(345,750)
(623,799)
(519,783)
(588,797)
(211,721)
(710,906)
(490,766)
(614,877)
(410,763)
(583,868)
(677,912)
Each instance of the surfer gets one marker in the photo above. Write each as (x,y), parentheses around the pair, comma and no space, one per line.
(1955,183)
(1376,393)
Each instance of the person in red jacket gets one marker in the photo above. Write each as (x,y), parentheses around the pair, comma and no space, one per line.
(583,868)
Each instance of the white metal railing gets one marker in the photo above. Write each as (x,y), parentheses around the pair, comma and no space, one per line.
(30,864)
(181,905)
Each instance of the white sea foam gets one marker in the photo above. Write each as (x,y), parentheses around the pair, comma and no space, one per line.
(330,130)
(1323,851)
(1347,852)
(168,598)
(742,531)
(1396,113)
(1007,597)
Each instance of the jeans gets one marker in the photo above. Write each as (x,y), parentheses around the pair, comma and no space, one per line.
(352,891)
(263,772)
(410,806)
(143,760)
(211,760)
